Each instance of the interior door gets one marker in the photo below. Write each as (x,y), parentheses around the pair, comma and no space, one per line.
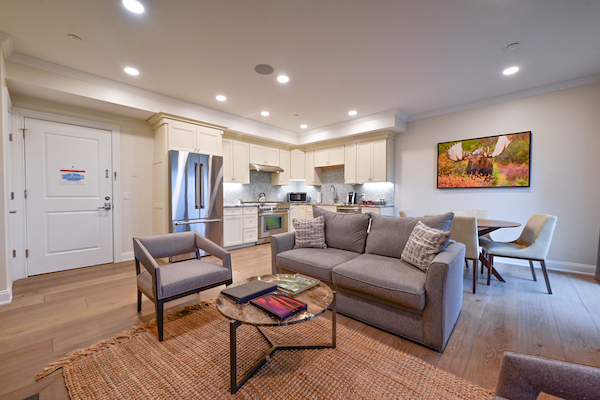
(69,196)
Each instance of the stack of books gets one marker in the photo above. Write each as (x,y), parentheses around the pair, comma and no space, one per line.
(296,284)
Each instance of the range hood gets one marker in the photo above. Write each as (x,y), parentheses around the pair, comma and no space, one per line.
(264,168)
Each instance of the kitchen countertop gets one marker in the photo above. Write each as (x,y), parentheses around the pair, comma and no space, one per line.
(315,204)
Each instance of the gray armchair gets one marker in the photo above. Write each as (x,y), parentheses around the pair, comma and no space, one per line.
(172,281)
(524,377)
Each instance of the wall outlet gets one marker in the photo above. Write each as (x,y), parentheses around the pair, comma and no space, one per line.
(126,195)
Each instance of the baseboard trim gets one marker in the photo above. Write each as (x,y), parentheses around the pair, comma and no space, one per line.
(560,266)
(5,296)
(127,256)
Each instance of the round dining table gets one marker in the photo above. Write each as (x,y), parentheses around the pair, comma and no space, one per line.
(485,226)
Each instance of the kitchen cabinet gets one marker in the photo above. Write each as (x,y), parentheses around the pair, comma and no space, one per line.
(313,175)
(250,224)
(282,178)
(309,212)
(302,211)
(172,132)
(264,155)
(329,157)
(374,161)
(350,164)
(327,208)
(235,161)
(297,162)
(388,211)
(232,227)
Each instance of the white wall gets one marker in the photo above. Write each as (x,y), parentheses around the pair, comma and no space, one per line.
(136,153)
(565,146)
(5,295)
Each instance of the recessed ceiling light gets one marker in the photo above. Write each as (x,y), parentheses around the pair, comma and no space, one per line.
(221,97)
(303,126)
(352,112)
(264,69)
(134,6)
(74,37)
(264,113)
(283,79)
(510,71)
(132,71)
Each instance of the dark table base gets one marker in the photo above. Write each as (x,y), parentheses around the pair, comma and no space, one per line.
(233,325)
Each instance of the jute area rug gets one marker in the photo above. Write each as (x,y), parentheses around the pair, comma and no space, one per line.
(193,363)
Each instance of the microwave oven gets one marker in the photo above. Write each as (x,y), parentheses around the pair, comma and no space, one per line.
(297,197)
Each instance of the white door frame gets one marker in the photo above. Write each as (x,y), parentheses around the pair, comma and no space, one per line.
(21,270)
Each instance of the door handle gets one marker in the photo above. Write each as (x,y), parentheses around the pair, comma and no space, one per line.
(107,206)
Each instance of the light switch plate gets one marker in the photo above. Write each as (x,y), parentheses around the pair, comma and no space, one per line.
(135,172)
(126,195)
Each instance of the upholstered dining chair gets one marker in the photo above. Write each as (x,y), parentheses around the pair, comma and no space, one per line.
(407,213)
(532,245)
(463,229)
(174,280)
(481,214)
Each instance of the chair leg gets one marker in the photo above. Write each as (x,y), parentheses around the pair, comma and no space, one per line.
(159,319)
(139,301)
(543,262)
(483,255)
(532,270)
(466,263)
(489,267)
(474,275)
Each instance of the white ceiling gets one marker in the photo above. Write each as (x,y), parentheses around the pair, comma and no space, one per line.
(372,56)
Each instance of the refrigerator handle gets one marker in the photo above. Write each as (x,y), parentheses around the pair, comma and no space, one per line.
(199,185)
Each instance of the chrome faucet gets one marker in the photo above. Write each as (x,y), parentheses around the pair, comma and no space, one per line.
(335,196)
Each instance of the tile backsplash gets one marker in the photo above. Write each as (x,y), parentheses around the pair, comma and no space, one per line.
(260,182)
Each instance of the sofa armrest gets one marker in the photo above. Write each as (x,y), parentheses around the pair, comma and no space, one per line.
(523,377)
(280,243)
(444,291)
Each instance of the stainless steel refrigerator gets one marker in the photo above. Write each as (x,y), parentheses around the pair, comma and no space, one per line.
(196,196)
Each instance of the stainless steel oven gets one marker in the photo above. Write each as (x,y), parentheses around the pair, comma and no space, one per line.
(272,219)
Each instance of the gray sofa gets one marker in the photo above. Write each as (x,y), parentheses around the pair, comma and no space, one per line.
(362,262)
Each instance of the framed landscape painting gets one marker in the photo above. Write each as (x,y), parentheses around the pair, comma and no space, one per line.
(492,161)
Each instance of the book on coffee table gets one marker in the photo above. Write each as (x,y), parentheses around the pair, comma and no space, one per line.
(296,284)
(248,291)
(278,305)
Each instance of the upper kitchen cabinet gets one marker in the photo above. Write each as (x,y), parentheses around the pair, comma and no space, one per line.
(313,175)
(236,161)
(282,178)
(329,157)
(350,164)
(178,133)
(297,167)
(264,155)
(375,161)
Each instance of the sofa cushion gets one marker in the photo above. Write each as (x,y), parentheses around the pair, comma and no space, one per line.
(317,263)
(423,245)
(384,277)
(389,235)
(344,231)
(309,233)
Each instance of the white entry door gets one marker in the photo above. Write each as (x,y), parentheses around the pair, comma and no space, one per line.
(68,181)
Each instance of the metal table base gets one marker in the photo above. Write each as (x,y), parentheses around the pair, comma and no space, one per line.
(233,325)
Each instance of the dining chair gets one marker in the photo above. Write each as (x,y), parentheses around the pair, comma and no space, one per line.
(407,213)
(163,283)
(463,229)
(480,214)
(532,245)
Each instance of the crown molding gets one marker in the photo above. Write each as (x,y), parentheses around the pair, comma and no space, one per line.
(356,121)
(109,83)
(6,43)
(508,97)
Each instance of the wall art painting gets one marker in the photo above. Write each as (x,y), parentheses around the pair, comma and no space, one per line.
(492,161)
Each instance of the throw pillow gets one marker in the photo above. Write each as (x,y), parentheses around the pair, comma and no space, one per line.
(309,233)
(423,244)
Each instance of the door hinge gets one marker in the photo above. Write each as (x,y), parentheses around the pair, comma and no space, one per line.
(27,253)
(25,193)
(10,137)
(23,129)
(14,253)
(12,195)
(115,175)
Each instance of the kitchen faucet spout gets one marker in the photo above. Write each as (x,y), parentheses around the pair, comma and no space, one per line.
(335,196)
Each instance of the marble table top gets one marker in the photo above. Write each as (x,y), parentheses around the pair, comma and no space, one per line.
(317,300)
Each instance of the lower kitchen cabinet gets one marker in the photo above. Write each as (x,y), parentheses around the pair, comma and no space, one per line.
(250,225)
(240,226)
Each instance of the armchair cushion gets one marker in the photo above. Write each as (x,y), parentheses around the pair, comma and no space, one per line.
(184,276)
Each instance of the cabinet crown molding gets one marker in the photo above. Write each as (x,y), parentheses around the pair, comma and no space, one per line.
(159,119)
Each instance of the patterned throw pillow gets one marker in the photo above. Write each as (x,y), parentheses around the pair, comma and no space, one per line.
(310,233)
(423,244)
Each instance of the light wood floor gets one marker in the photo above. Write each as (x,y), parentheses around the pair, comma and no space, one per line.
(56,313)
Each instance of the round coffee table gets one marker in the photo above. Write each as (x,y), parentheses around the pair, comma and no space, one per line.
(317,300)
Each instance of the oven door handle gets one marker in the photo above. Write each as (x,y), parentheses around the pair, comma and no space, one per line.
(263,214)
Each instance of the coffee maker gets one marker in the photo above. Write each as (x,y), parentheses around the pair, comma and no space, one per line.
(351,198)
